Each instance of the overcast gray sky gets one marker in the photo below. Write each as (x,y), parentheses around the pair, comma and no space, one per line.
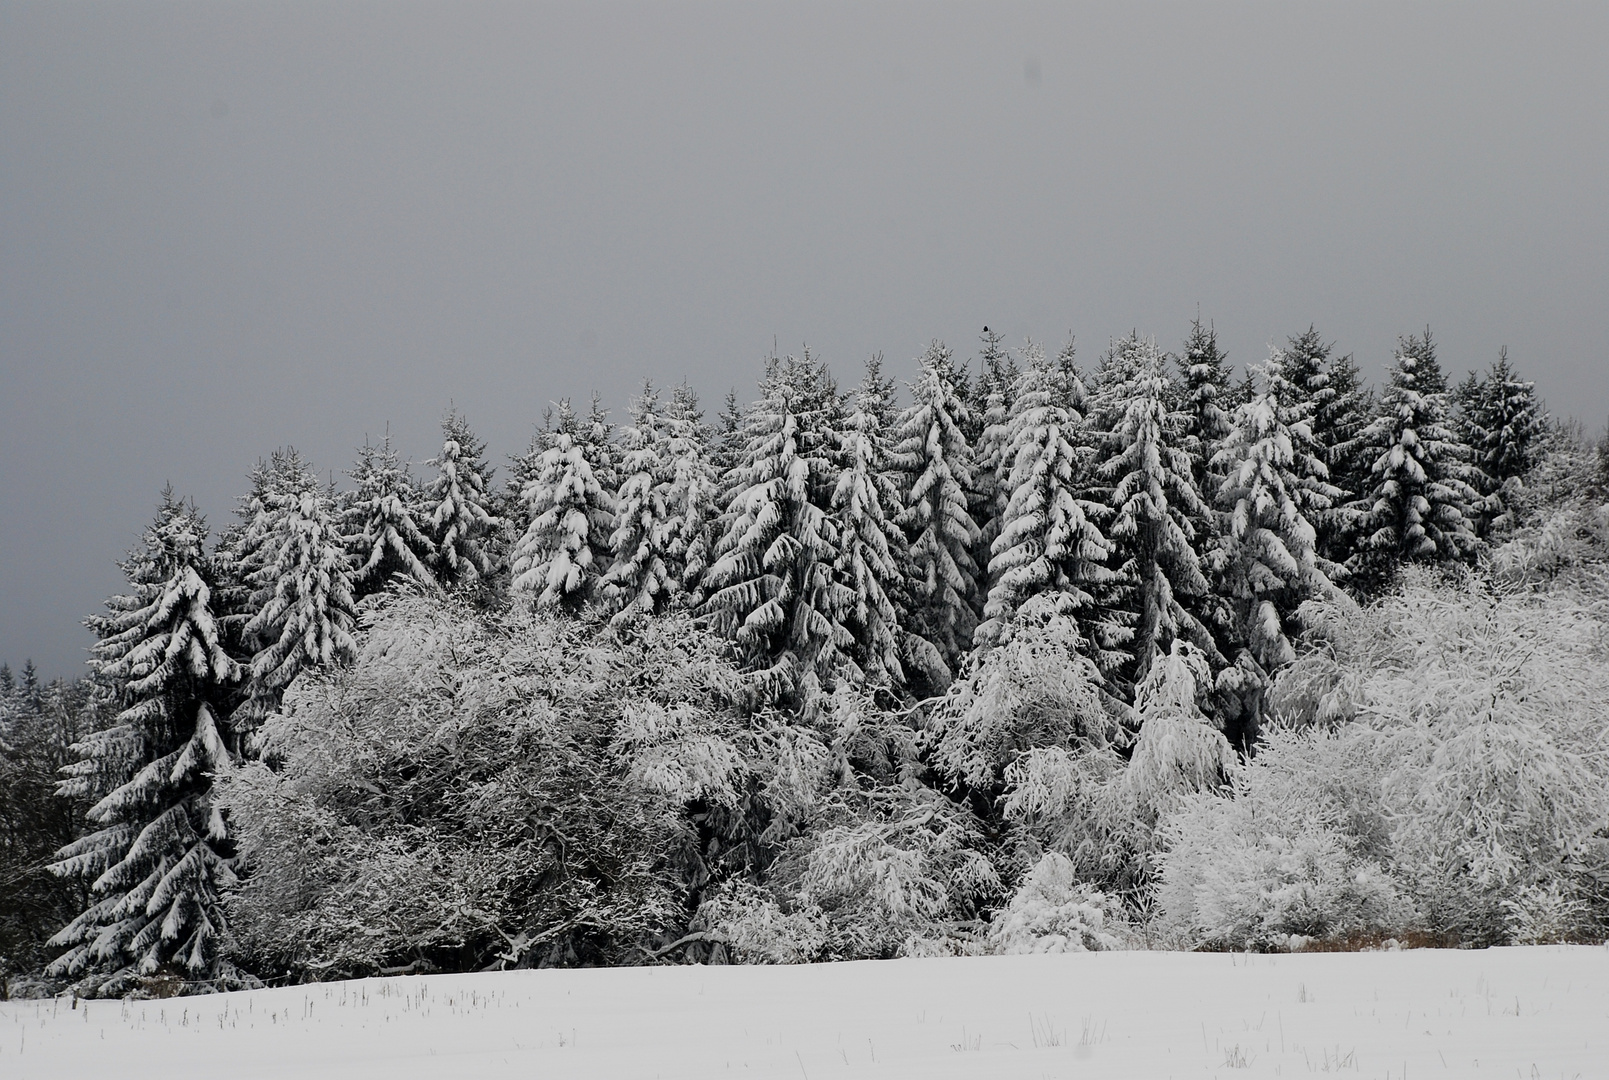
(225,227)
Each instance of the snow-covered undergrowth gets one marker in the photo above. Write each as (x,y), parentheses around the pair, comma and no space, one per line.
(1528,1012)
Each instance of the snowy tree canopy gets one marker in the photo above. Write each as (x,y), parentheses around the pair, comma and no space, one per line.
(991,473)
(1420,504)
(156,859)
(1268,566)
(1157,511)
(386,521)
(1206,390)
(641,580)
(562,556)
(458,504)
(772,588)
(935,461)
(1503,425)
(692,498)
(295,607)
(1050,539)
(871,549)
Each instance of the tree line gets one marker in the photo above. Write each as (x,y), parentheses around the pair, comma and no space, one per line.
(1118,533)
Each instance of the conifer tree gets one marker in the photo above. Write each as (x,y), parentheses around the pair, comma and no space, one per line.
(1206,389)
(459,505)
(693,497)
(1304,365)
(641,580)
(871,550)
(560,559)
(772,588)
(296,608)
(727,447)
(1050,540)
(159,854)
(1338,424)
(1296,379)
(933,456)
(386,521)
(996,390)
(512,512)
(1157,510)
(1267,565)
(1420,502)
(1504,427)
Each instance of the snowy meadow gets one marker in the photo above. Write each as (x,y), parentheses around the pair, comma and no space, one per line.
(1526,1012)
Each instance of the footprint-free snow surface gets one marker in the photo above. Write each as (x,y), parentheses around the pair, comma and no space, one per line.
(1520,1012)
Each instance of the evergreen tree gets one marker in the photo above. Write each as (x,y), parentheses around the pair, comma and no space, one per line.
(772,588)
(39,724)
(1267,564)
(1157,510)
(459,505)
(512,513)
(871,550)
(560,559)
(1241,393)
(726,451)
(641,580)
(1304,365)
(1504,427)
(935,460)
(1050,540)
(1206,389)
(385,522)
(160,851)
(1338,424)
(996,386)
(693,497)
(1420,502)
(294,606)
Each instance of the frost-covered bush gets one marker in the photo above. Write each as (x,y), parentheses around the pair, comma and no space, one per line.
(1102,811)
(1482,714)
(1035,691)
(519,789)
(750,922)
(1053,912)
(887,872)
(1292,846)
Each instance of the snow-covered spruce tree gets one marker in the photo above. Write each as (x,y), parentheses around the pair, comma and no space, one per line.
(1157,512)
(1266,565)
(1206,387)
(1297,381)
(1338,423)
(871,549)
(935,461)
(293,607)
(991,466)
(728,444)
(640,581)
(1420,504)
(160,851)
(39,725)
(1504,427)
(692,498)
(561,558)
(386,522)
(1050,541)
(772,588)
(459,504)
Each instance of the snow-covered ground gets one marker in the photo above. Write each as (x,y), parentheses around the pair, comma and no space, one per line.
(1522,1012)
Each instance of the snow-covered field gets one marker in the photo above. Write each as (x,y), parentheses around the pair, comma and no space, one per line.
(1517,1012)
